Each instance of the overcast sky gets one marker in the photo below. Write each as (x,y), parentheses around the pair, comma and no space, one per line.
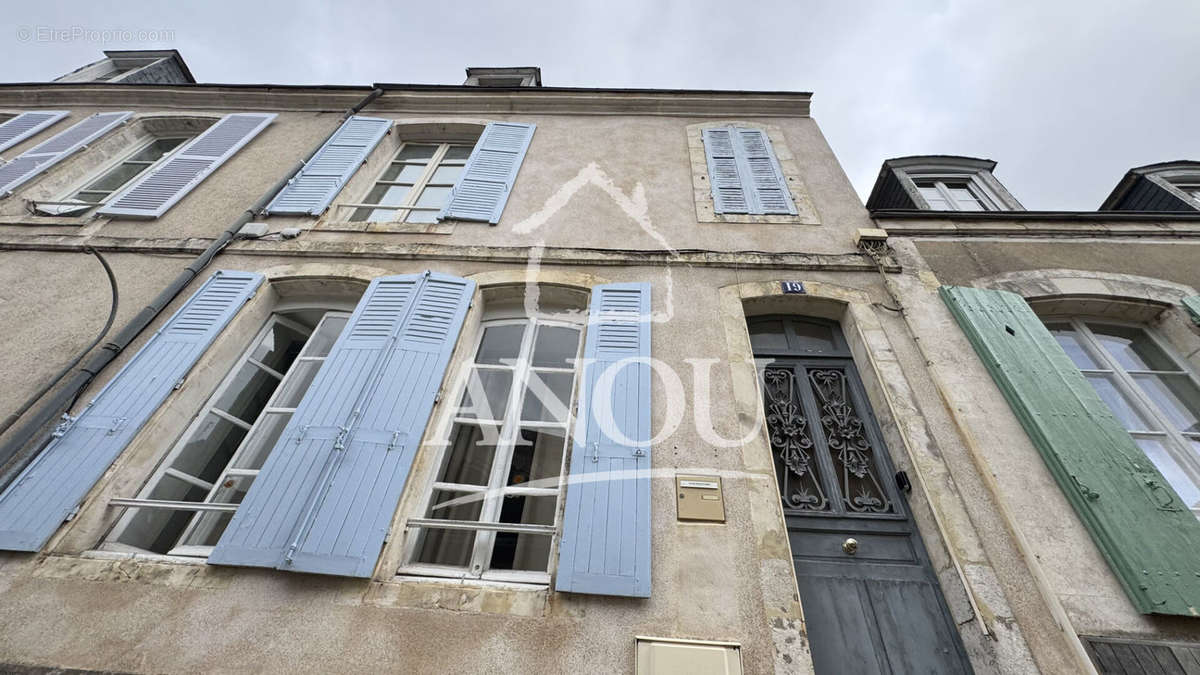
(1064,95)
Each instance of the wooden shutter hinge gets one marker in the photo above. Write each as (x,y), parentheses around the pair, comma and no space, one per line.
(118,424)
(64,426)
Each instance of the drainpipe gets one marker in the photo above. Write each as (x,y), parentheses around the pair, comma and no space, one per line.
(69,392)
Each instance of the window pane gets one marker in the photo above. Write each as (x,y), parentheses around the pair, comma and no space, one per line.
(1132,347)
(1068,339)
(210,448)
(537,458)
(416,152)
(1183,485)
(547,397)
(263,440)
(403,173)
(279,347)
(469,457)
(1118,403)
(447,505)
(208,530)
(555,346)
(459,152)
(487,394)
(447,547)
(768,335)
(248,393)
(528,510)
(156,150)
(513,551)
(327,333)
(933,197)
(430,196)
(500,344)
(297,382)
(390,195)
(964,198)
(1176,396)
(115,177)
(446,174)
(815,338)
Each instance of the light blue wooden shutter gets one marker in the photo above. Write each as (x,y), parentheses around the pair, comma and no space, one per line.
(151,195)
(729,195)
(605,547)
(50,488)
(41,157)
(315,186)
(744,173)
(1192,305)
(769,190)
(326,495)
(27,124)
(482,190)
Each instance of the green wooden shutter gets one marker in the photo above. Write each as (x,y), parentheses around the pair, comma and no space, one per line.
(1149,537)
(1192,305)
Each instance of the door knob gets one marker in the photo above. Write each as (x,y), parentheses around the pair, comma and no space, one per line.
(850,546)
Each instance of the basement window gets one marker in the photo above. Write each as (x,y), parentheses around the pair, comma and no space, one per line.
(190,499)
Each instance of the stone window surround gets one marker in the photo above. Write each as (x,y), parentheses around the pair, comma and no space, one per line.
(422,129)
(977,172)
(89,163)
(1152,302)
(806,214)
(71,552)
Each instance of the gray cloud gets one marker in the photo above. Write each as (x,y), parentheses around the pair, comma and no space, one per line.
(1065,96)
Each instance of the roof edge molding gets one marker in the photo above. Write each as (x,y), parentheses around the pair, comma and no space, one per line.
(410,99)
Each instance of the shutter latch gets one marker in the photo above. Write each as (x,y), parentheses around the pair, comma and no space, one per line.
(118,424)
(639,452)
(395,441)
(64,426)
(300,437)
(339,443)
(595,452)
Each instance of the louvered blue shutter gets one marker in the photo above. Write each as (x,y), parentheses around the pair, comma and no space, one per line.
(1192,305)
(41,157)
(151,195)
(27,124)
(47,491)
(605,547)
(326,495)
(729,195)
(482,190)
(315,186)
(769,190)
(744,173)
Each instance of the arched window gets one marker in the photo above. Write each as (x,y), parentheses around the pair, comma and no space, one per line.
(205,475)
(1153,393)
(492,510)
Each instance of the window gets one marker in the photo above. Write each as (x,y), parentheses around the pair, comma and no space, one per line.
(189,500)
(1152,393)
(116,177)
(416,184)
(493,507)
(1191,189)
(953,194)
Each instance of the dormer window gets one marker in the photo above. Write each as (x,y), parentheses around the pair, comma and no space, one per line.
(1166,187)
(940,183)
(523,76)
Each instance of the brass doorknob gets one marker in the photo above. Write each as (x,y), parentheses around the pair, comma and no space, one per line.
(850,546)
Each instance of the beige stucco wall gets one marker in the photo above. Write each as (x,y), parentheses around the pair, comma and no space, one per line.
(593,192)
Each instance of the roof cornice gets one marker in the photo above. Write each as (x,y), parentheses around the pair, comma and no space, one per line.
(418,99)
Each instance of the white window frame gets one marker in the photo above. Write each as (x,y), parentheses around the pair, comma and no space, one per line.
(510,426)
(143,499)
(1177,443)
(1190,188)
(402,211)
(988,200)
(67,205)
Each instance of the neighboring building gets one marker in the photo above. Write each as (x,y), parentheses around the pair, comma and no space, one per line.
(502,377)
(1072,392)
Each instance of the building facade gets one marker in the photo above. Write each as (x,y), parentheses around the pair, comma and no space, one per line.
(509,378)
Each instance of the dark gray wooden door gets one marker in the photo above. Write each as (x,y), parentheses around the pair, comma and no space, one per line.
(871,601)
